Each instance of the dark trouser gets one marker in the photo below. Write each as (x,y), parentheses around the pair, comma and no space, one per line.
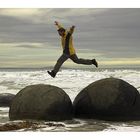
(73,57)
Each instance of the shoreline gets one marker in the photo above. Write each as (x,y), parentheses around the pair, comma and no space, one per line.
(65,68)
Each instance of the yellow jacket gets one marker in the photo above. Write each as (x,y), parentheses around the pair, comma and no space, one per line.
(67,42)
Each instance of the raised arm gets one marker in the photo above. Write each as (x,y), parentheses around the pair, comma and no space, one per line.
(58,25)
(72,29)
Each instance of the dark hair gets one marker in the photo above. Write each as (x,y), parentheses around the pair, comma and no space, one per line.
(61,30)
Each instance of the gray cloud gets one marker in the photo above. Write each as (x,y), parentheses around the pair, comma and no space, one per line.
(114,33)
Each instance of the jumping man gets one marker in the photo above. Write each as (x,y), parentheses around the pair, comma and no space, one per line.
(68,50)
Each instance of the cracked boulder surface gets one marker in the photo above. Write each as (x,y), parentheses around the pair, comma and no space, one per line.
(41,102)
(108,99)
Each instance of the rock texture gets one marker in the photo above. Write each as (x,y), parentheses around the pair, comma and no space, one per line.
(108,99)
(41,102)
(6,99)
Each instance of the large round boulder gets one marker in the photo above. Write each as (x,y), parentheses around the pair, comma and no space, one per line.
(6,99)
(41,102)
(108,99)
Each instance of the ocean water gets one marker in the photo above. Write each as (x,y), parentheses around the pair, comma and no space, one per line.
(72,81)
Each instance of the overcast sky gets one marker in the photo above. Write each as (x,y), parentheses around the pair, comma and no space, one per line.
(28,37)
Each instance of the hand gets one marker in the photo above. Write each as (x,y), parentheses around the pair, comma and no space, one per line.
(56,23)
(73,26)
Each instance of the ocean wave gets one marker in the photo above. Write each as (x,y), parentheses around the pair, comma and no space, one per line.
(72,81)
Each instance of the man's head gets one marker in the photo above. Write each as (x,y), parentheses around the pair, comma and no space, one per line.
(61,31)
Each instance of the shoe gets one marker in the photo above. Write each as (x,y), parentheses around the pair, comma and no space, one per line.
(94,62)
(52,73)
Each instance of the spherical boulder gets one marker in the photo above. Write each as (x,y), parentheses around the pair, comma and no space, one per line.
(108,99)
(6,99)
(41,102)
